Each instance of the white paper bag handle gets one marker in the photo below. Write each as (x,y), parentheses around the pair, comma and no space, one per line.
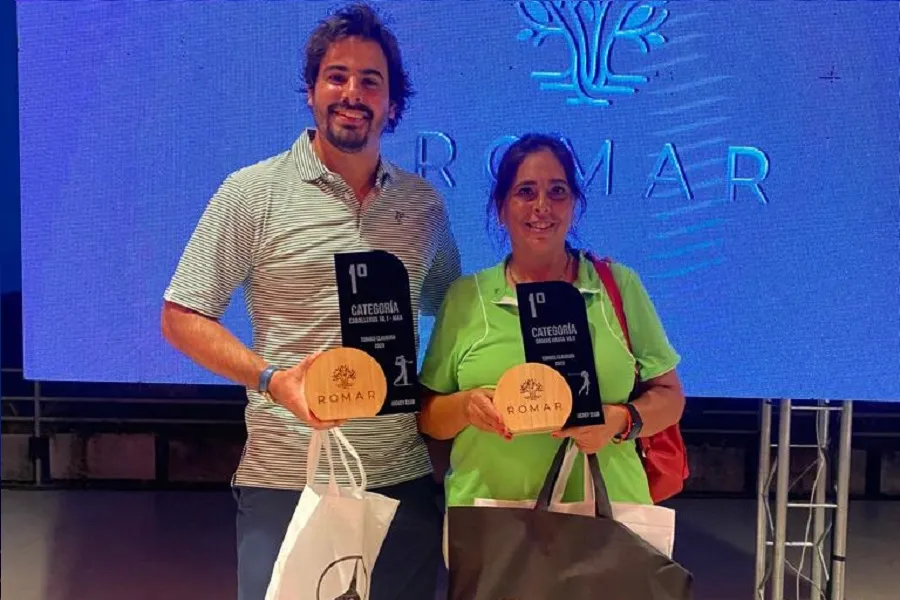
(317,441)
(320,439)
(312,455)
(559,488)
(344,444)
(568,465)
(565,471)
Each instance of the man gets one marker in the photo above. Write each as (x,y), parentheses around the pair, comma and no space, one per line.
(273,228)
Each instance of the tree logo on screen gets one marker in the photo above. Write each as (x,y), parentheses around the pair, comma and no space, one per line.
(591,30)
(344,377)
(331,577)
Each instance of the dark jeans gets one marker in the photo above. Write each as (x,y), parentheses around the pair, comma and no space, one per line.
(406,569)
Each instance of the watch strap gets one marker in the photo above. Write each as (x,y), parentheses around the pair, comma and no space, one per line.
(265,378)
(633,424)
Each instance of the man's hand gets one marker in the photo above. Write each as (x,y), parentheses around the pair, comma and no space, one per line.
(481,412)
(592,438)
(286,389)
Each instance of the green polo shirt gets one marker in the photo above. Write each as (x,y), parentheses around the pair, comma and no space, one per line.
(476,338)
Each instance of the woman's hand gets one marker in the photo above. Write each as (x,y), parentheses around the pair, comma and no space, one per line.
(481,412)
(590,439)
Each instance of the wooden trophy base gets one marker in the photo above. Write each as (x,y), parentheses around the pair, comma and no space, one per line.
(345,383)
(533,398)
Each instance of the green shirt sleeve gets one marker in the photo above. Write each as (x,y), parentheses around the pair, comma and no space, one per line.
(446,345)
(650,345)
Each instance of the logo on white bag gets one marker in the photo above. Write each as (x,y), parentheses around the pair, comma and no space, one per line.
(344,377)
(332,580)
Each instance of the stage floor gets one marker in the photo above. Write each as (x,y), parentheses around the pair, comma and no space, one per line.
(92,545)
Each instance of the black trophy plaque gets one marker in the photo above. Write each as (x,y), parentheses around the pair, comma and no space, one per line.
(377,318)
(555,331)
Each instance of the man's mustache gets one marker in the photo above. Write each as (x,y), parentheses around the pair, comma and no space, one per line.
(356,107)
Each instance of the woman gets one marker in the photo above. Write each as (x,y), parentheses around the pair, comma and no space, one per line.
(476,338)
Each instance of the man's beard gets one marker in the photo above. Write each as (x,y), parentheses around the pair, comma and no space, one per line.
(346,139)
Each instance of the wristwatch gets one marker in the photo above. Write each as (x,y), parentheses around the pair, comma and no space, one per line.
(633,425)
(265,378)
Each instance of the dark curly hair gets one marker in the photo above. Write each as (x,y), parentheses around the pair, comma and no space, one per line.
(360,20)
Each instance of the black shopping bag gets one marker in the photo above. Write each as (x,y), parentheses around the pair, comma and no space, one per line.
(534,554)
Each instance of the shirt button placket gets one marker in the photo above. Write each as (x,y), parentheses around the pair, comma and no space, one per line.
(350,198)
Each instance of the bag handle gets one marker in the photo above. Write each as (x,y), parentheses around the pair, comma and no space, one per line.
(553,474)
(344,444)
(601,495)
(317,442)
(602,506)
(322,439)
(559,488)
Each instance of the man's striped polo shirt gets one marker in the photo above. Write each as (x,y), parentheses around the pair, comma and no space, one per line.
(273,228)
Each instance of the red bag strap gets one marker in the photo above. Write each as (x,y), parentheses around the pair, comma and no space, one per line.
(604,270)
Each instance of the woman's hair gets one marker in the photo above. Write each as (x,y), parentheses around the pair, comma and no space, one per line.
(513,158)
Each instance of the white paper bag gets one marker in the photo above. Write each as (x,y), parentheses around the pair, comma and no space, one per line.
(335,535)
(656,524)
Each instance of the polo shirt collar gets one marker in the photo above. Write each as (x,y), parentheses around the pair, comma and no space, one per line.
(587,281)
(311,169)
